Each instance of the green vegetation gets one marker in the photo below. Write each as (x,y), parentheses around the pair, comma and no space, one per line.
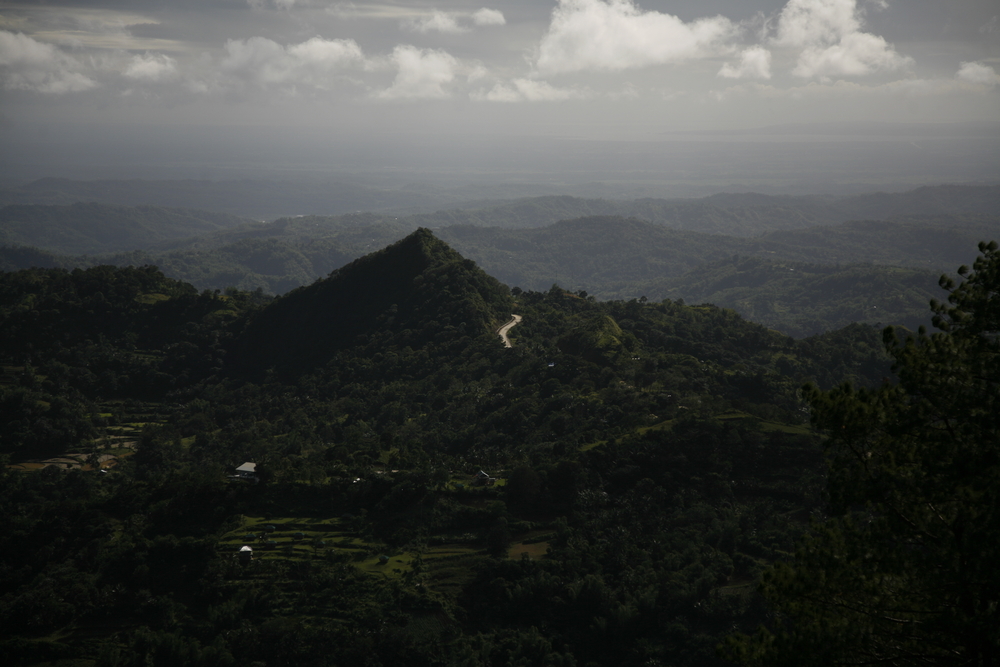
(795,264)
(654,459)
(904,571)
(803,299)
(84,228)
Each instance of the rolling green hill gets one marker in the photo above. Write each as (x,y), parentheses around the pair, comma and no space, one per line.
(608,256)
(737,214)
(800,299)
(90,228)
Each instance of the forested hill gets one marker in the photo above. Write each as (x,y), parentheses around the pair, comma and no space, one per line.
(928,200)
(738,214)
(88,227)
(799,298)
(734,214)
(591,252)
(803,281)
(650,460)
(413,291)
(813,274)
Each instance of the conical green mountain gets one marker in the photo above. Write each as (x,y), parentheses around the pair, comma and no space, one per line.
(415,292)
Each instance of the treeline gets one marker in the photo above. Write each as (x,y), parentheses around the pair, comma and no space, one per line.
(801,299)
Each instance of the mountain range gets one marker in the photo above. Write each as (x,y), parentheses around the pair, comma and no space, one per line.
(666,249)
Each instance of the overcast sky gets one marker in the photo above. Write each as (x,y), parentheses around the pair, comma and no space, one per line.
(575,68)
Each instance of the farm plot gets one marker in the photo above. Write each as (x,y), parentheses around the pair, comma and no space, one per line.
(445,568)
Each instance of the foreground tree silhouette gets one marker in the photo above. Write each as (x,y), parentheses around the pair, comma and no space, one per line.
(907,571)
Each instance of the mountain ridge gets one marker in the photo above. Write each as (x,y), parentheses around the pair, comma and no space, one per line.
(399,294)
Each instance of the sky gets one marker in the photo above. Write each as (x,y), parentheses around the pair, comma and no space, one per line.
(77,75)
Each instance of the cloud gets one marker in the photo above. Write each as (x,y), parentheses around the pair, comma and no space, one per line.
(979,74)
(315,62)
(421,73)
(486,16)
(831,42)
(861,93)
(280,4)
(27,64)
(755,63)
(477,72)
(436,22)
(614,35)
(529,90)
(857,54)
(448,22)
(809,23)
(151,67)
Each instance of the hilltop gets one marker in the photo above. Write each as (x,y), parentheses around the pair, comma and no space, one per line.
(413,292)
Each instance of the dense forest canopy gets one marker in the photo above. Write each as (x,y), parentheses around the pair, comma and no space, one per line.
(645,462)
(903,572)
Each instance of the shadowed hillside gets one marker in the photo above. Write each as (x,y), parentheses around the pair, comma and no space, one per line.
(416,290)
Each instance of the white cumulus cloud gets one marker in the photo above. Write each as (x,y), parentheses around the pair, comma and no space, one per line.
(28,64)
(979,74)
(150,67)
(616,34)
(486,16)
(817,22)
(315,62)
(436,22)
(755,63)
(420,73)
(831,41)
(454,22)
(857,54)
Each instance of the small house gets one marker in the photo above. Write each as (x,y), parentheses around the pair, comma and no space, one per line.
(246,472)
(483,479)
(245,554)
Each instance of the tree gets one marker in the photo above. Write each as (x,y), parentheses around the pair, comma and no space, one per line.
(905,572)
(498,538)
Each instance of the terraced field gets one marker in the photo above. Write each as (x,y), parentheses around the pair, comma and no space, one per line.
(443,567)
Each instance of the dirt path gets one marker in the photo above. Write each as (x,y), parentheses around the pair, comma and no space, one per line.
(502,331)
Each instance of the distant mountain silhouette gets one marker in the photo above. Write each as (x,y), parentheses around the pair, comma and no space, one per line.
(88,227)
(415,292)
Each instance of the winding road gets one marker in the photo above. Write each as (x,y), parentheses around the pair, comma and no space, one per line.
(502,331)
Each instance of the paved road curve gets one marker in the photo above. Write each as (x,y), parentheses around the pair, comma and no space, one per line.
(502,331)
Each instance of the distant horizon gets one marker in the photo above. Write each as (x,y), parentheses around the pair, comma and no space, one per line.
(801,158)
(654,96)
